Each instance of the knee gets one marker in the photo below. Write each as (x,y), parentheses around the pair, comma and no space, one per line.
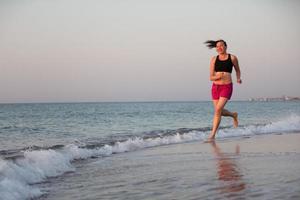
(218,111)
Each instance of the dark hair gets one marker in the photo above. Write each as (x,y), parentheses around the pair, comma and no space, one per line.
(212,44)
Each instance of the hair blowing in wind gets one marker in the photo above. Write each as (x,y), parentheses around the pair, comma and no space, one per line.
(212,43)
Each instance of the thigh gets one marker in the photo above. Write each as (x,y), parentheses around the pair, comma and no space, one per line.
(215,102)
(221,103)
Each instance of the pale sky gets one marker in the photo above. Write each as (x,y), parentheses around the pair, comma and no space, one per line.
(144,50)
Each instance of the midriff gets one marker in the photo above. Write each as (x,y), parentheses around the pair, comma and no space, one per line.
(226,78)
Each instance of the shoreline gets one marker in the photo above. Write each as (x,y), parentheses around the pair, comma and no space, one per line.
(265,166)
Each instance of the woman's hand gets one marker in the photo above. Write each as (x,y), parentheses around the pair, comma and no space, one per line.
(219,76)
(216,77)
(239,81)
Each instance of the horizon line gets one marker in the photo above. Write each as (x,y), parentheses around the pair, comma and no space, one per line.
(131,101)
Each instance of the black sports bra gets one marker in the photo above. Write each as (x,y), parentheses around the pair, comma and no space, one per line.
(223,65)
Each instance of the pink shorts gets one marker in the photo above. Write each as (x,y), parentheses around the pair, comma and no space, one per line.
(218,91)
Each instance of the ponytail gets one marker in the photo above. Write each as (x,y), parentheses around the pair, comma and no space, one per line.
(212,44)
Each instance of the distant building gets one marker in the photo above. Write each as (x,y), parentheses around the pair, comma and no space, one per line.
(283,98)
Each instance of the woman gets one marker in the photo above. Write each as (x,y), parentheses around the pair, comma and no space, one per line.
(220,73)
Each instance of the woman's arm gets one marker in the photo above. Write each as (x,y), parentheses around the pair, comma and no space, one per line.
(237,68)
(213,76)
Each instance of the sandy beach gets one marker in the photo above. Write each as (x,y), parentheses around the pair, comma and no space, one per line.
(259,167)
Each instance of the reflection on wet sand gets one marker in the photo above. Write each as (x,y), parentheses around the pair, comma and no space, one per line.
(228,171)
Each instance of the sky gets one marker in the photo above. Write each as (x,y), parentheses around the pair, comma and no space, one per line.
(144,50)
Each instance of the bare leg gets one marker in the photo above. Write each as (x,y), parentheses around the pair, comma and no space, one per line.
(234,115)
(219,106)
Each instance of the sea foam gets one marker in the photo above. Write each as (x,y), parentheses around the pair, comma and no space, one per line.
(287,125)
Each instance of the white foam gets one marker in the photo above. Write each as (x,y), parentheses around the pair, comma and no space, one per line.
(290,124)
(139,143)
(12,185)
(36,166)
(17,177)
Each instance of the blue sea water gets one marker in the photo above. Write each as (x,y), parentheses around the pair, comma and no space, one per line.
(40,141)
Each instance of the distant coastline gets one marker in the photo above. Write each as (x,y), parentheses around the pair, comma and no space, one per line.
(283,98)
(262,99)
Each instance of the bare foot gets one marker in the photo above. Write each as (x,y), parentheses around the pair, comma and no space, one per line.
(209,140)
(235,119)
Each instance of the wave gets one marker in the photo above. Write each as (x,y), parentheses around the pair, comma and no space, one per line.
(288,125)
(18,174)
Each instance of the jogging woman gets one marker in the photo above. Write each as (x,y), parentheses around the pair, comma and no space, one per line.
(220,74)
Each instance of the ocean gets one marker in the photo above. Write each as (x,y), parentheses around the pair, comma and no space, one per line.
(47,145)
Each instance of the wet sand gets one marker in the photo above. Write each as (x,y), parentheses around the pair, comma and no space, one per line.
(260,167)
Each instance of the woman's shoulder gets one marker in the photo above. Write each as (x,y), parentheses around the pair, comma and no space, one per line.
(213,61)
(232,56)
(213,58)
